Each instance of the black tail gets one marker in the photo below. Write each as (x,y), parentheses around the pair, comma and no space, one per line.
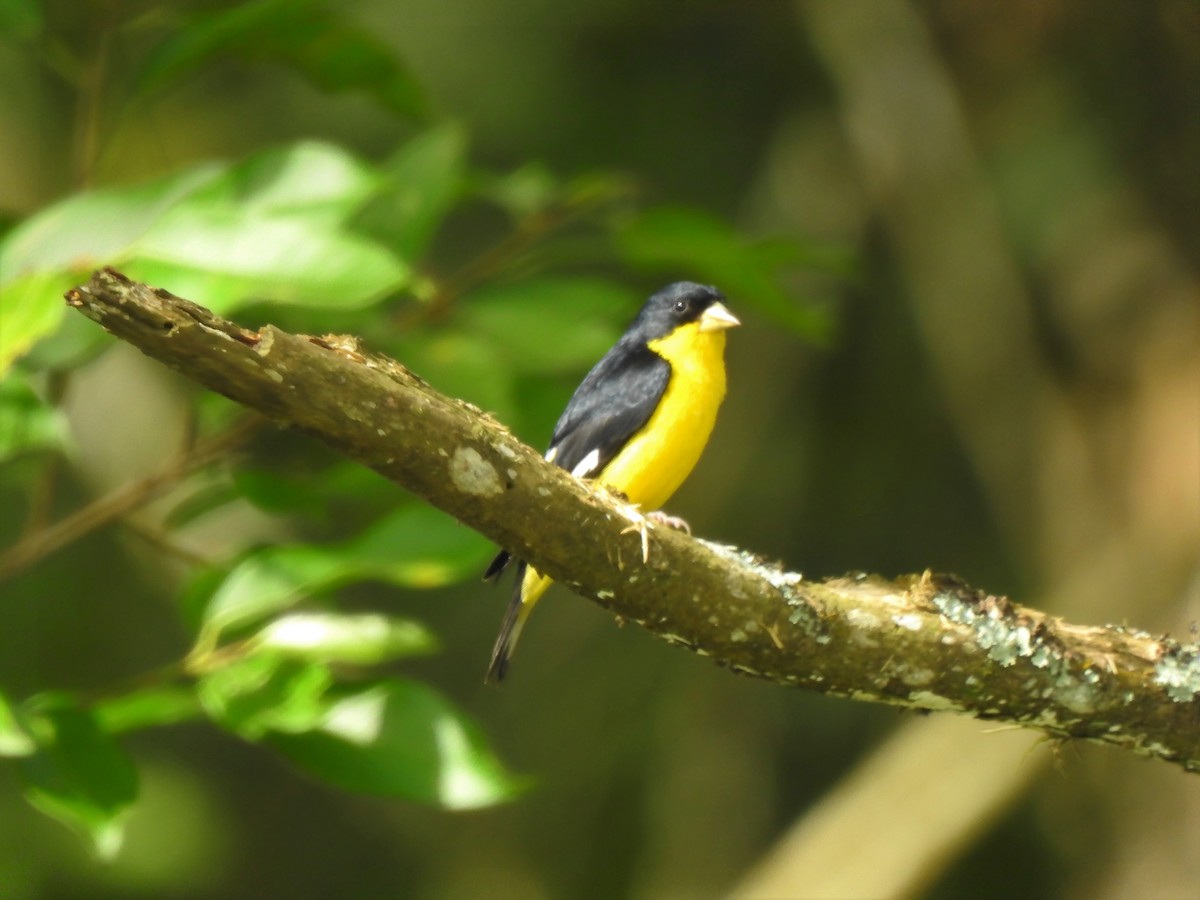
(497,565)
(510,629)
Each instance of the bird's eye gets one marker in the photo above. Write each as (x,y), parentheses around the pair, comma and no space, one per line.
(680,305)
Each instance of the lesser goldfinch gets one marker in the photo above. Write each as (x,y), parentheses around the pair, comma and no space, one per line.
(638,421)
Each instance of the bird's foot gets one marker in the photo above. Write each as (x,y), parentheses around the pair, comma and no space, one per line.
(673,522)
(640,522)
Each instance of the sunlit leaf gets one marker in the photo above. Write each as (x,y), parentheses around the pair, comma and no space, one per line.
(58,247)
(80,776)
(416,546)
(267,581)
(325,47)
(400,738)
(95,228)
(223,257)
(265,692)
(360,639)
(551,325)
(319,180)
(306,175)
(30,308)
(271,228)
(701,247)
(422,182)
(14,739)
(196,596)
(26,423)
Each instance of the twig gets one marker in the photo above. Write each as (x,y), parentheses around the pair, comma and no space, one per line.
(155,537)
(122,501)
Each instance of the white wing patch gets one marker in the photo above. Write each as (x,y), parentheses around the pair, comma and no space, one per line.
(588,465)
(551,453)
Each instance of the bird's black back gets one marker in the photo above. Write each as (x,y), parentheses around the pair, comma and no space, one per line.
(619,395)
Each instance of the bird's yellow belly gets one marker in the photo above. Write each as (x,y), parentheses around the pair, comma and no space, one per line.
(657,460)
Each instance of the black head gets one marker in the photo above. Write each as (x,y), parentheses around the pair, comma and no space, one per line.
(680,304)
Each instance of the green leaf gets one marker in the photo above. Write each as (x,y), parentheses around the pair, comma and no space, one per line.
(312,494)
(548,326)
(673,240)
(286,493)
(277,492)
(417,546)
(149,708)
(222,31)
(271,228)
(265,692)
(21,20)
(322,181)
(399,738)
(30,308)
(267,581)
(422,182)
(222,257)
(26,423)
(14,739)
(205,499)
(95,228)
(74,341)
(56,248)
(524,192)
(79,775)
(359,639)
(327,49)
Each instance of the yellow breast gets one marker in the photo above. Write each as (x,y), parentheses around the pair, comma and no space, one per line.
(659,457)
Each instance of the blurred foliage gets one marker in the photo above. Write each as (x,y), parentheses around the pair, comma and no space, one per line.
(266,679)
(308,36)
(314,236)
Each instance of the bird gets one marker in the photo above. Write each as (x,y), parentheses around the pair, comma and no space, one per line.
(636,425)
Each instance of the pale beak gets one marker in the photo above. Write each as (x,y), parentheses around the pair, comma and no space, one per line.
(717,318)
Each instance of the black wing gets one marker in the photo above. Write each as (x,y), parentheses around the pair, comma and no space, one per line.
(609,407)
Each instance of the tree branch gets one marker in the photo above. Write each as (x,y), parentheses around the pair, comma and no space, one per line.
(920,641)
(120,501)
